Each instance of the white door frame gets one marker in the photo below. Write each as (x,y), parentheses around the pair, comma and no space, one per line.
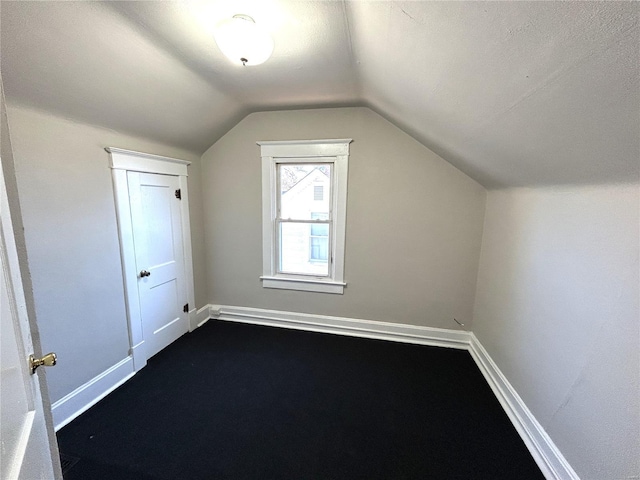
(122,161)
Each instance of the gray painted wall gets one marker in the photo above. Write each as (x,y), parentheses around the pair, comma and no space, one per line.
(65,189)
(414,222)
(557,309)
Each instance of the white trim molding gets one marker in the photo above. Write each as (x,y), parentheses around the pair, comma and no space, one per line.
(85,396)
(274,154)
(305,148)
(303,285)
(396,332)
(146,162)
(201,317)
(545,453)
(122,162)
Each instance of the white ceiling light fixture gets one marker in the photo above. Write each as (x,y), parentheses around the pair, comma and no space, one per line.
(243,41)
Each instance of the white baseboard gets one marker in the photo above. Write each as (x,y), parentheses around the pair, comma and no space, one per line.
(82,398)
(547,456)
(139,356)
(199,317)
(544,451)
(396,332)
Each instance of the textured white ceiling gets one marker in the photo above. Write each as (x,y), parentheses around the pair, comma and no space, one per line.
(512,93)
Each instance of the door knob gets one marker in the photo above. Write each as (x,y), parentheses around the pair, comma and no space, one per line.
(144,273)
(49,360)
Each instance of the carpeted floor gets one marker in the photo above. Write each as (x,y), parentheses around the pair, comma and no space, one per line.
(235,401)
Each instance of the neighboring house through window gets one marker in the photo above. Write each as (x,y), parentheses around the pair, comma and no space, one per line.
(304,211)
(319,239)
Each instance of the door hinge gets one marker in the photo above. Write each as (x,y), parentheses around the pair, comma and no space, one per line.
(185,309)
(178,194)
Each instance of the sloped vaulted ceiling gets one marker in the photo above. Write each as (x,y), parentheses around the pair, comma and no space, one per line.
(512,93)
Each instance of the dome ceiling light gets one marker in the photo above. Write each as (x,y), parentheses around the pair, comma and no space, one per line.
(243,41)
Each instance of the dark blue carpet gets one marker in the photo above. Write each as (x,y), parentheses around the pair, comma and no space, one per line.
(234,401)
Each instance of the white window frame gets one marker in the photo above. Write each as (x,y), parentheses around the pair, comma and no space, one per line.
(334,151)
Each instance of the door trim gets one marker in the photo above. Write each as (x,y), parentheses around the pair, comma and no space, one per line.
(146,162)
(87,395)
(123,161)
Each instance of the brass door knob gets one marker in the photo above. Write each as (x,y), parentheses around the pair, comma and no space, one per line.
(49,360)
(144,273)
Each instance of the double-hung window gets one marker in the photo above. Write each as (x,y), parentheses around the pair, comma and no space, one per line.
(304,199)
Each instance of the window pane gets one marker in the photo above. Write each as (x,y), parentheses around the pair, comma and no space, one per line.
(320,230)
(319,249)
(302,253)
(304,188)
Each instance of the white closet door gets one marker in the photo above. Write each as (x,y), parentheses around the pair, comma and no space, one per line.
(159,255)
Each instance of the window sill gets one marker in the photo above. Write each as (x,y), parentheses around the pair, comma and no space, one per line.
(304,285)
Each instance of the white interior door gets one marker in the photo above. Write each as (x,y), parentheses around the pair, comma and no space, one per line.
(159,256)
(26,452)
